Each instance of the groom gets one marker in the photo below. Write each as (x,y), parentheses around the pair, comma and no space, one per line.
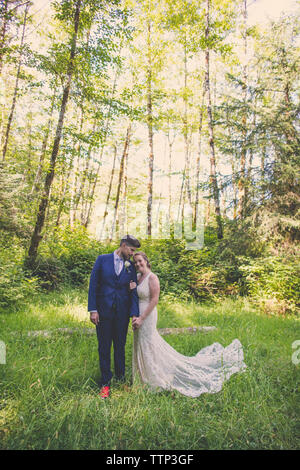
(111,303)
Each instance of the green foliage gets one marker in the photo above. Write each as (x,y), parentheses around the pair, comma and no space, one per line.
(273,282)
(12,189)
(67,258)
(264,122)
(15,285)
(238,265)
(51,272)
(49,393)
(270,109)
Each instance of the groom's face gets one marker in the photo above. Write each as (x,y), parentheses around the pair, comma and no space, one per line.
(127,250)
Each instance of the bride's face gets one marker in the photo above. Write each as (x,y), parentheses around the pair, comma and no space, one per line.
(140,263)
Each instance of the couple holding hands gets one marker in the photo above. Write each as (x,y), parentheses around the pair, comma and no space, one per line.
(121,289)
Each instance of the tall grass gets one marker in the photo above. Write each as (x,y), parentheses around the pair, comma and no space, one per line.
(49,384)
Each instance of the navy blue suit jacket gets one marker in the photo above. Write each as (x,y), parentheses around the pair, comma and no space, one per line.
(106,288)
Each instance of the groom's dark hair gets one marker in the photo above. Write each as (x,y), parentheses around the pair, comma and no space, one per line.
(131,241)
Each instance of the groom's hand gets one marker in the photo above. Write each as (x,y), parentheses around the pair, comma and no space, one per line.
(94,317)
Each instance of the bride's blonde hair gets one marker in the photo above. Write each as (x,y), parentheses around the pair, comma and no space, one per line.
(143,255)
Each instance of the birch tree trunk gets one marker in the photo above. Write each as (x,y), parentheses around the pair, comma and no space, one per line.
(91,191)
(213,175)
(181,197)
(38,176)
(150,133)
(170,142)
(242,179)
(85,192)
(234,186)
(81,191)
(185,132)
(121,172)
(199,153)
(74,189)
(109,190)
(65,186)
(124,220)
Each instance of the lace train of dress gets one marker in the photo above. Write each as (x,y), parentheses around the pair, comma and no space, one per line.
(160,366)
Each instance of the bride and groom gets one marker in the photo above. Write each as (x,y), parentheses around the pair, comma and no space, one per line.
(117,292)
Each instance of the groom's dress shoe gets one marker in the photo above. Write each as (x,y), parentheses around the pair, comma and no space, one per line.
(104,392)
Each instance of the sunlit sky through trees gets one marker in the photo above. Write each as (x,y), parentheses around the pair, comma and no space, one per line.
(259,13)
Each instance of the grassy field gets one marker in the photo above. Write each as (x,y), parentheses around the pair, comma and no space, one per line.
(48,386)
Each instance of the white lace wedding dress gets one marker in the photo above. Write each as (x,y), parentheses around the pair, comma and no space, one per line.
(161,367)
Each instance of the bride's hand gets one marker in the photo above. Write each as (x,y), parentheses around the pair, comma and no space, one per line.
(132,285)
(136,322)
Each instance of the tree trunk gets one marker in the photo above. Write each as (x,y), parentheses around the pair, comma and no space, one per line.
(88,210)
(65,185)
(213,175)
(36,236)
(124,223)
(13,105)
(224,204)
(170,142)
(37,180)
(262,167)
(181,197)
(150,133)
(170,179)
(208,212)
(242,179)
(289,130)
(29,154)
(85,193)
(121,172)
(234,185)
(109,190)
(199,153)
(81,173)
(81,191)
(92,192)
(249,187)
(76,170)
(185,131)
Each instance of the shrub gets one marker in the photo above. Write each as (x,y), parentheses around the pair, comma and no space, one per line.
(274,282)
(15,285)
(51,272)
(68,257)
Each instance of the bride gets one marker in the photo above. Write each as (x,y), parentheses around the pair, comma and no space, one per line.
(158,364)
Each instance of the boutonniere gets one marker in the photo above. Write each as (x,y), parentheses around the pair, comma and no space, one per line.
(127,265)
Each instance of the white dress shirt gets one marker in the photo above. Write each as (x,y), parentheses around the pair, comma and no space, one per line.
(119,263)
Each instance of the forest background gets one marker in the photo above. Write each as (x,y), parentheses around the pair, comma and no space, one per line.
(176,121)
(148,117)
